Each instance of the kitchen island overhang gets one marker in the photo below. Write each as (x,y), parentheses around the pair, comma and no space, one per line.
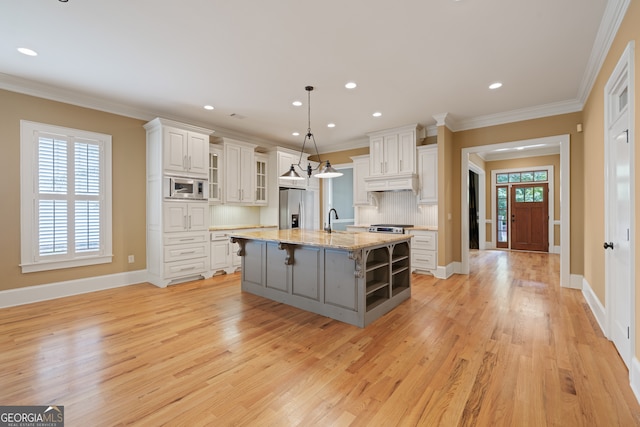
(352,277)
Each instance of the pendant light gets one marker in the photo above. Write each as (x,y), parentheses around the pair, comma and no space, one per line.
(327,170)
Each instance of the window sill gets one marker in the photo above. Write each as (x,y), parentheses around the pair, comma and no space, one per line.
(57,265)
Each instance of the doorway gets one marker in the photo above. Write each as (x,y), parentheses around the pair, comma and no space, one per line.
(474,233)
(563,142)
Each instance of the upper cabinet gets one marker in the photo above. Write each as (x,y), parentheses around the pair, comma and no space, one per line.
(392,159)
(361,197)
(215,174)
(261,175)
(239,170)
(392,151)
(428,171)
(185,152)
(183,149)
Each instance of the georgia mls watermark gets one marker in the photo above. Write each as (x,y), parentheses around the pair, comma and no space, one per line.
(32,416)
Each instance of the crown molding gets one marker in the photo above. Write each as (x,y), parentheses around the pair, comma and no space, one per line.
(530,113)
(611,20)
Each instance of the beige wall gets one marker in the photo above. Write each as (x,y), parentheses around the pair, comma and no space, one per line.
(593,174)
(527,162)
(129,178)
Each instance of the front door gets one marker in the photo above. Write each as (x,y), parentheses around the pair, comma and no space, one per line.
(530,217)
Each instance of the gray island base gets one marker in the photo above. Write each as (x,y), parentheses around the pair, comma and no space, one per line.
(351,277)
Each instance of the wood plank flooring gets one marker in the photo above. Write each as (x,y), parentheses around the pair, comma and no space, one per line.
(504,346)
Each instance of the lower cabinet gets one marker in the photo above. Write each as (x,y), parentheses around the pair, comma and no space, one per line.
(224,254)
(424,251)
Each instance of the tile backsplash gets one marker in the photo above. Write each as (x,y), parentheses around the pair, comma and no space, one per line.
(398,207)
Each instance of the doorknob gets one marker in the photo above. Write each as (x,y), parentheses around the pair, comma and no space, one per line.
(608,245)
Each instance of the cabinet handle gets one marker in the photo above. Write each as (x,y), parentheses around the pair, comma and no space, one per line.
(189,162)
(189,222)
(184,222)
(187,252)
(400,164)
(187,268)
(184,162)
(382,167)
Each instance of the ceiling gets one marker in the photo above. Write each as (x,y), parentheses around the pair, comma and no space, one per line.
(411,60)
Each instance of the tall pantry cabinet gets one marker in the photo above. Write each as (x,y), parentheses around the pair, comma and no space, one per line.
(177,230)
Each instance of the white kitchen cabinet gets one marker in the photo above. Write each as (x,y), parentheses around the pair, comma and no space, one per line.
(424,251)
(177,230)
(185,152)
(392,151)
(428,173)
(361,196)
(183,216)
(261,178)
(216,175)
(239,172)
(224,254)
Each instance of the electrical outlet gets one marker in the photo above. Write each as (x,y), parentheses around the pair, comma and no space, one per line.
(131,259)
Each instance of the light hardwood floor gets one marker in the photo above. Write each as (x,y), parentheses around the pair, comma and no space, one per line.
(504,346)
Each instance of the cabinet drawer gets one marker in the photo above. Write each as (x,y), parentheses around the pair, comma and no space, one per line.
(184,238)
(425,241)
(423,259)
(180,252)
(219,235)
(185,268)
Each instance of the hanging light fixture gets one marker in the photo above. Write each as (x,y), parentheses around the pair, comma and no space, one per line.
(327,170)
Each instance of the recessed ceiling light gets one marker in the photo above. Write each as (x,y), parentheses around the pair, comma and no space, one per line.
(208,107)
(28,52)
(351,85)
(377,114)
(296,134)
(296,103)
(331,125)
(495,85)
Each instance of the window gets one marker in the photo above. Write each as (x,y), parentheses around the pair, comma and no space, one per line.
(531,176)
(65,197)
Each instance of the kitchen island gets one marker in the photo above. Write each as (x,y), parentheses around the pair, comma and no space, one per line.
(351,277)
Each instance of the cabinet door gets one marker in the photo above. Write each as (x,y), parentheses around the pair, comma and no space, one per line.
(198,150)
(220,254)
(391,152)
(198,218)
(376,152)
(246,171)
(407,152)
(175,149)
(261,180)
(428,172)
(175,216)
(232,183)
(215,175)
(360,172)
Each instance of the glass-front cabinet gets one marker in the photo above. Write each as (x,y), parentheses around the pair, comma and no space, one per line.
(261,178)
(215,174)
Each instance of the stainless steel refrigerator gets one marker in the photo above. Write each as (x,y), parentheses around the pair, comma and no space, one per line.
(296,208)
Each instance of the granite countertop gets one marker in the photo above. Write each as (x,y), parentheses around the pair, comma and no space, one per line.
(336,240)
(239,227)
(415,227)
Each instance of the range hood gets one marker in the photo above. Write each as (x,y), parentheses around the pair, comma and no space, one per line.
(402,182)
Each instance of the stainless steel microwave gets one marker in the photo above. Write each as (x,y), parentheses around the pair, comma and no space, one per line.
(184,188)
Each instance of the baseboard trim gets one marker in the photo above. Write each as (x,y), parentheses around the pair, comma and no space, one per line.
(31,294)
(634,377)
(595,305)
(444,272)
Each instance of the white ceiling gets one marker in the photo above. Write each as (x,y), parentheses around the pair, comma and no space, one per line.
(411,59)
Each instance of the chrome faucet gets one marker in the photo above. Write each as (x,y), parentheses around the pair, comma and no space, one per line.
(328,229)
